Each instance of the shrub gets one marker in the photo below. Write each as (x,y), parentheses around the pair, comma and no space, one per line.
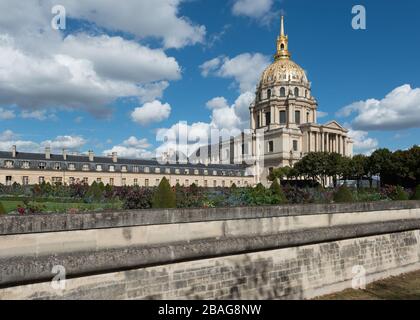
(2,209)
(416,195)
(138,198)
(164,196)
(343,195)
(277,192)
(400,194)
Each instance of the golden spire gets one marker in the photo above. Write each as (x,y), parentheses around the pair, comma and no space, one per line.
(282,44)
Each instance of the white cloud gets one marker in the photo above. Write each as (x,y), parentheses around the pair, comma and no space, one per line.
(6,114)
(40,115)
(245,69)
(217,103)
(9,138)
(71,143)
(321,114)
(132,148)
(400,109)
(151,112)
(146,18)
(252,8)
(42,69)
(362,143)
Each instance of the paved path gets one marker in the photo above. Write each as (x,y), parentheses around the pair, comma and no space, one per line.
(405,287)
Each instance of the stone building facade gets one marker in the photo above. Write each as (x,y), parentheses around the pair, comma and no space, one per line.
(34,168)
(283,121)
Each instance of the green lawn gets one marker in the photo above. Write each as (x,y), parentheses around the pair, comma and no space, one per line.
(10,206)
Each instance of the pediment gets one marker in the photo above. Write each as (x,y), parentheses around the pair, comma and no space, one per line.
(334,125)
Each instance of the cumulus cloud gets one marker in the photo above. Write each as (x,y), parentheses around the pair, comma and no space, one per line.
(147,18)
(9,138)
(40,68)
(132,148)
(245,69)
(252,8)
(71,143)
(321,114)
(217,103)
(400,109)
(362,142)
(6,114)
(40,115)
(151,112)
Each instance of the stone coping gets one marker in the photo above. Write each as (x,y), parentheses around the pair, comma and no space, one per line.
(40,223)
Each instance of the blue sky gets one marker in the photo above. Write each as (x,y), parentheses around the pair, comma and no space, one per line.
(118,75)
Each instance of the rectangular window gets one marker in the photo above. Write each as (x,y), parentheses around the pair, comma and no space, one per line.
(25,181)
(71,180)
(295,145)
(111,181)
(157,182)
(205,184)
(8,180)
(168,171)
(196,172)
(283,119)
(85,167)
(42,165)
(177,181)
(214,183)
(196,183)
(111,168)
(98,167)
(136,182)
(258,122)
(270,146)
(98,180)
(147,170)
(86,180)
(267,118)
(187,183)
(177,171)
(146,182)
(297,117)
(124,181)
(223,183)
(57,180)
(157,170)
(124,168)
(25,165)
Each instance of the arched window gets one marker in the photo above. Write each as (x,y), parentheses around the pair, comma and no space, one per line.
(260,96)
(282,92)
(282,46)
(296,92)
(268,93)
(306,93)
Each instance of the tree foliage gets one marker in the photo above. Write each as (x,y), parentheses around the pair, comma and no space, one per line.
(164,196)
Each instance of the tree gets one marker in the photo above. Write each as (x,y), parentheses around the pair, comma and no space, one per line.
(277,191)
(334,167)
(358,168)
(380,164)
(279,173)
(416,195)
(164,196)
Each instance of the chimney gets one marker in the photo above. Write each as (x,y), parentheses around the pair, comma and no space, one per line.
(114,157)
(47,153)
(64,154)
(14,151)
(91,156)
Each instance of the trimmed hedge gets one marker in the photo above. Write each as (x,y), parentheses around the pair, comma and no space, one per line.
(164,197)
(343,195)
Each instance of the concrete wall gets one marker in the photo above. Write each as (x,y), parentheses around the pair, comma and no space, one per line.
(267,252)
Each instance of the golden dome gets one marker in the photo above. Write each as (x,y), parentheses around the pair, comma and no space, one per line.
(283,70)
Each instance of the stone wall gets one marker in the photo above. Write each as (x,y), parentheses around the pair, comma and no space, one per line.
(266,252)
(291,273)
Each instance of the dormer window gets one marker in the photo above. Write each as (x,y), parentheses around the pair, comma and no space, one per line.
(98,167)
(8,164)
(57,166)
(85,167)
(72,166)
(124,168)
(146,169)
(111,168)
(42,165)
(157,170)
(25,165)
